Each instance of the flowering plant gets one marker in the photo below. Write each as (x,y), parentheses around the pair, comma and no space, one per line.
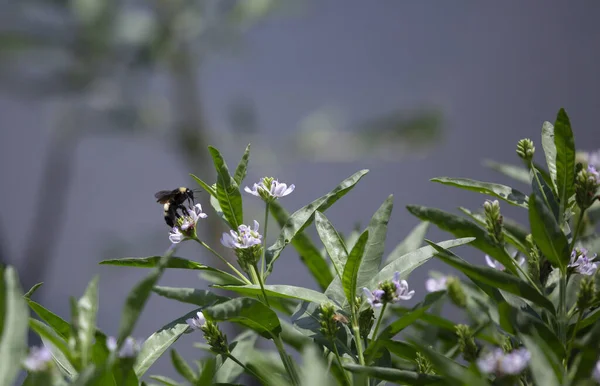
(530,302)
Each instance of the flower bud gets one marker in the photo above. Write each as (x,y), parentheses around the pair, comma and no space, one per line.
(329,326)
(215,338)
(493,221)
(507,344)
(587,182)
(587,293)
(424,366)
(533,260)
(525,149)
(466,342)
(456,293)
(365,322)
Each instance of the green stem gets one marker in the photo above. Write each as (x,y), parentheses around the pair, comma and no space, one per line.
(539,183)
(374,336)
(577,230)
(574,334)
(287,362)
(356,331)
(339,361)
(256,277)
(240,275)
(264,251)
(562,307)
(230,356)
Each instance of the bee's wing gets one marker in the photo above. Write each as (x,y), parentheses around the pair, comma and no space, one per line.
(163,196)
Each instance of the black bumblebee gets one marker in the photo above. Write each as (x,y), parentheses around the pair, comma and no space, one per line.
(173,200)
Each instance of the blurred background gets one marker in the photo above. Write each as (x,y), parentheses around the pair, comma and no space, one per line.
(105,102)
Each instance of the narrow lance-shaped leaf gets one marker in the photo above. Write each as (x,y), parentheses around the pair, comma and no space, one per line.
(303,217)
(461,227)
(202,298)
(32,290)
(308,251)
(87,309)
(540,365)
(350,276)
(550,151)
(247,312)
(279,291)
(244,347)
(228,192)
(411,242)
(182,367)
(503,192)
(543,191)
(332,241)
(240,171)
(565,160)
(376,244)
(547,233)
(494,278)
(47,333)
(13,341)
(209,189)
(403,377)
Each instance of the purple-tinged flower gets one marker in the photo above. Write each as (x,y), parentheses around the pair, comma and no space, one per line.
(196,322)
(186,225)
(594,158)
(39,359)
(245,237)
(129,349)
(492,263)
(374,298)
(402,292)
(593,172)
(270,189)
(499,363)
(596,372)
(582,263)
(434,285)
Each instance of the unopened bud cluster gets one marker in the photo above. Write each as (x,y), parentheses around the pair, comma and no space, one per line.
(466,342)
(214,337)
(456,293)
(587,182)
(525,149)
(533,260)
(424,366)
(493,221)
(246,243)
(587,293)
(329,325)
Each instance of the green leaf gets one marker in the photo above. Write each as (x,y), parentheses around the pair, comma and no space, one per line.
(547,233)
(159,342)
(332,241)
(13,338)
(240,171)
(375,246)
(550,151)
(202,298)
(58,324)
(247,312)
(517,173)
(87,309)
(31,291)
(543,191)
(164,380)
(57,342)
(153,261)
(494,278)
(503,192)
(208,188)
(540,364)
(182,367)
(244,347)
(401,349)
(137,298)
(314,369)
(309,253)
(393,375)
(565,161)
(350,276)
(409,262)
(279,291)
(228,192)
(461,227)
(413,241)
(303,217)
(454,373)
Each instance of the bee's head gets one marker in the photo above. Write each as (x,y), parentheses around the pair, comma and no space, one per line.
(190,194)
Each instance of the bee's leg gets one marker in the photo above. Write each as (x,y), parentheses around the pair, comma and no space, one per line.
(184,210)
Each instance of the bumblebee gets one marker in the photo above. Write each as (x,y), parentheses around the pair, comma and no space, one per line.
(172,201)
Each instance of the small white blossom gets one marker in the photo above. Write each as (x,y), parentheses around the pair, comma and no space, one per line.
(594,172)
(582,263)
(129,349)
(402,291)
(39,359)
(245,237)
(374,298)
(270,189)
(596,372)
(492,263)
(434,285)
(187,224)
(594,158)
(499,363)
(196,322)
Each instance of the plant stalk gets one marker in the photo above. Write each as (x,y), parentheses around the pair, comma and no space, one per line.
(577,230)
(339,361)
(256,277)
(287,362)
(240,275)
(374,336)
(562,307)
(264,251)
(230,356)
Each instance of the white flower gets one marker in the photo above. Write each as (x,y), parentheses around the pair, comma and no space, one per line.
(270,189)
(38,359)
(594,172)
(499,363)
(175,235)
(129,349)
(245,237)
(596,372)
(186,224)
(582,263)
(197,322)
(498,265)
(402,291)
(594,158)
(434,285)
(374,298)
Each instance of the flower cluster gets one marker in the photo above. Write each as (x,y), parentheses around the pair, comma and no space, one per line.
(492,263)
(269,189)
(582,263)
(186,225)
(494,221)
(247,244)
(129,349)
(39,359)
(436,284)
(587,183)
(214,337)
(389,292)
(501,364)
